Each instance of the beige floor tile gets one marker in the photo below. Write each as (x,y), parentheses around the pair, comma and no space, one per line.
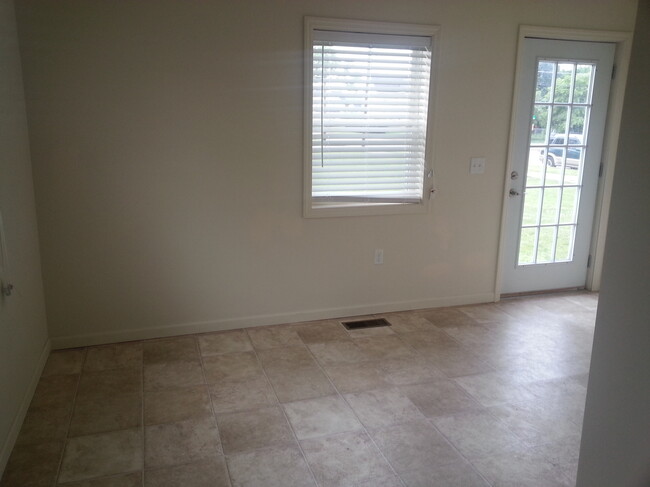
(45,424)
(344,459)
(587,299)
(485,313)
(175,405)
(118,356)
(183,442)
(264,338)
(409,370)
(231,366)
(286,359)
(538,422)
(447,317)
(100,455)
(304,383)
(294,374)
(172,375)
(209,473)
(563,454)
(440,398)
(492,338)
(522,467)
(429,340)
(362,377)
(110,382)
(251,430)
(107,400)
(386,481)
(457,474)
(224,342)
(408,322)
(170,350)
(125,480)
(322,416)
(384,347)
(64,362)
(477,434)
(55,391)
(339,352)
(416,449)
(456,362)
(546,369)
(495,388)
(98,413)
(582,379)
(383,407)
(322,331)
(271,467)
(522,308)
(33,465)
(230,396)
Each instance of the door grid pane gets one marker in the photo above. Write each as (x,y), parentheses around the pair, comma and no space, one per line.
(557,145)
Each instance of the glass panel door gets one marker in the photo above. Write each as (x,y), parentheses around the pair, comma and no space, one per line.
(558,138)
(558,126)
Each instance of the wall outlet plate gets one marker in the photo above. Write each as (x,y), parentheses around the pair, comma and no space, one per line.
(477,165)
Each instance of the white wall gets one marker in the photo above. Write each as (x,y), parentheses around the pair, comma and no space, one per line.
(167,144)
(616,431)
(23,330)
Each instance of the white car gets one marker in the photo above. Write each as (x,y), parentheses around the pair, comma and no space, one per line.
(556,155)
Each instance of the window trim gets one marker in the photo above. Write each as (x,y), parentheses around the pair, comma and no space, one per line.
(368,27)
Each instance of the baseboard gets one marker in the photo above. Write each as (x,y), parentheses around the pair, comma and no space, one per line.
(85,340)
(17,423)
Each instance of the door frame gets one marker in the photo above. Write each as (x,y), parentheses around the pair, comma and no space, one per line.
(623,41)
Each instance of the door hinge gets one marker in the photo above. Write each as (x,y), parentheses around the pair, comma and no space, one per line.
(613,71)
(589,261)
(600,170)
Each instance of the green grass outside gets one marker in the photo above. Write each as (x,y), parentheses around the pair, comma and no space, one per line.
(548,214)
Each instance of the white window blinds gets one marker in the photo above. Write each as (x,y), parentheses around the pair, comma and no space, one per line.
(369,117)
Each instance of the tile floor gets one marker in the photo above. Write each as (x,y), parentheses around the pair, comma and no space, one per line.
(487,395)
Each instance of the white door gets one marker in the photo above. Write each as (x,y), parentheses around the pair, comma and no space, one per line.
(563,91)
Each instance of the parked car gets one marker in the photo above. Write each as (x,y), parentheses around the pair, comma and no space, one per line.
(556,155)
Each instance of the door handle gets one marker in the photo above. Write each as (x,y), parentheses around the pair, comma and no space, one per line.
(513,192)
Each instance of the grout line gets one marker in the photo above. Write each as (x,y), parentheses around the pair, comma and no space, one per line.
(451,443)
(142,424)
(281,407)
(72,408)
(214,414)
(363,426)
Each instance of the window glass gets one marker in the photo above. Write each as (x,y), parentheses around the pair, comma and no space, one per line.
(369,112)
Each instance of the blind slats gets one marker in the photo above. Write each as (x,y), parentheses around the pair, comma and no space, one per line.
(370,102)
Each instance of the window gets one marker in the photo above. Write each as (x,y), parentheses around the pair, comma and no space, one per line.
(367,99)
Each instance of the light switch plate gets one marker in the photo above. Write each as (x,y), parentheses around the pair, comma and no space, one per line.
(477,165)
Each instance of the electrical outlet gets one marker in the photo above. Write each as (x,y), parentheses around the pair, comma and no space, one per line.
(477,165)
(379,256)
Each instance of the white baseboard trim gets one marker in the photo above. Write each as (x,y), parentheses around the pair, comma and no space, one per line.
(116,336)
(17,423)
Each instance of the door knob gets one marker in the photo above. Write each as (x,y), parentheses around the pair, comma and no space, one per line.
(513,192)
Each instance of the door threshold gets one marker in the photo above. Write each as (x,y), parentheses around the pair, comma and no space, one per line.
(545,291)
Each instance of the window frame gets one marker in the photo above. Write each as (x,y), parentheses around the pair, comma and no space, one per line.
(367,27)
